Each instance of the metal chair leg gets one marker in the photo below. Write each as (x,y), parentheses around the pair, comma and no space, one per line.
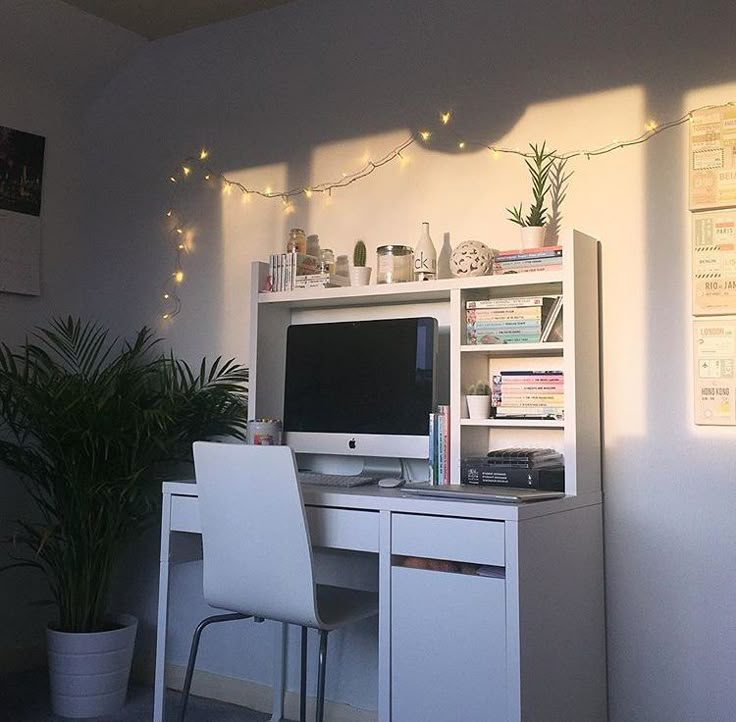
(303,679)
(319,717)
(193,654)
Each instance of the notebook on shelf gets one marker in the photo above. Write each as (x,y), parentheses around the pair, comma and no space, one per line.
(473,492)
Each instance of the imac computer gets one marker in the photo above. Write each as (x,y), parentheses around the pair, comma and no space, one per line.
(361,388)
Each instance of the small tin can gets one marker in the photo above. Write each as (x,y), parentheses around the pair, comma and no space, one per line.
(264,432)
(395,264)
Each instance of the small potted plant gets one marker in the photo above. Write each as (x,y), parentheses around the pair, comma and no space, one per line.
(539,163)
(478,398)
(91,426)
(360,274)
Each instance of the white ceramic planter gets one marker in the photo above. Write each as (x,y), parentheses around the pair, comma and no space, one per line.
(532,236)
(360,275)
(89,672)
(479,407)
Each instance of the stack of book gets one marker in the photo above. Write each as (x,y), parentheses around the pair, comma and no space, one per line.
(518,467)
(519,319)
(520,260)
(528,395)
(439,446)
(287,271)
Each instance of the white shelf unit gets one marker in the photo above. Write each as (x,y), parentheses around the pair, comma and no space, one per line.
(578,436)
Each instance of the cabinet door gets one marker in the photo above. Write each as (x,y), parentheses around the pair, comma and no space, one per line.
(448,647)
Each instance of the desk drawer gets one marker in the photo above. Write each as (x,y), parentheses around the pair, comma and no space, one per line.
(185,514)
(343,528)
(437,537)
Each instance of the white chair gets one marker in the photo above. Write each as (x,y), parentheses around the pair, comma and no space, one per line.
(258,554)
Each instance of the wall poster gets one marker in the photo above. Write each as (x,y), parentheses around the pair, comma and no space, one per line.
(715,357)
(713,158)
(714,262)
(21,180)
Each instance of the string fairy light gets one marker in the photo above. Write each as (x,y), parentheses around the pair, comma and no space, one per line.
(195,167)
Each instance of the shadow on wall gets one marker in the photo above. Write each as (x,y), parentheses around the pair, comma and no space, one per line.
(299,94)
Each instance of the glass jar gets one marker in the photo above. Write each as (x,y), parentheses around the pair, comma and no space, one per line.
(327,260)
(297,241)
(395,264)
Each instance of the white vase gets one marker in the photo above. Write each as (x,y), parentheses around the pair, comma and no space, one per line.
(360,275)
(479,407)
(89,671)
(532,236)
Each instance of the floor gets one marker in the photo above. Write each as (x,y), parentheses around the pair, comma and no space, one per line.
(25,698)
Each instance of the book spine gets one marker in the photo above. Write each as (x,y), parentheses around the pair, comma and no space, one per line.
(446,441)
(529,253)
(432,457)
(552,479)
(438,444)
(511,323)
(506,302)
(499,269)
(501,313)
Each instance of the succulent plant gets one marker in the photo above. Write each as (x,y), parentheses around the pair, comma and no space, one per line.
(479,388)
(359,254)
(539,167)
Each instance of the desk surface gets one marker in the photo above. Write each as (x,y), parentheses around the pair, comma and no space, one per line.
(374,498)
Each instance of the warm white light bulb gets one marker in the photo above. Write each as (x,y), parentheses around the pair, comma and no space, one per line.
(203,154)
(425,135)
(461,144)
(308,192)
(187,170)
(179,276)
(445,118)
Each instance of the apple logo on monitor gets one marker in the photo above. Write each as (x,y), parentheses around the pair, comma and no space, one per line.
(351,443)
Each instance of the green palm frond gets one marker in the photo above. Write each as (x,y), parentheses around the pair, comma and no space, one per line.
(90,423)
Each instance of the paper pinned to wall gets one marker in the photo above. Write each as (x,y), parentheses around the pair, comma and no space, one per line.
(713,158)
(715,358)
(714,262)
(21,182)
(20,253)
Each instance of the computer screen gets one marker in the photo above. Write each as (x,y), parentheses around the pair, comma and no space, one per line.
(361,387)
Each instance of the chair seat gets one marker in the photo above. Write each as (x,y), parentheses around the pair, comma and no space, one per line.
(338,605)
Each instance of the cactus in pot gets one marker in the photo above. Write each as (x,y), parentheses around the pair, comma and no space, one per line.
(359,254)
(478,399)
(479,388)
(360,275)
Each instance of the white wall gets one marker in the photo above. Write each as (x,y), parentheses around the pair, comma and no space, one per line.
(300,94)
(52,60)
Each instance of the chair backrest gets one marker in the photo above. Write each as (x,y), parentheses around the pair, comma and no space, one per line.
(255,538)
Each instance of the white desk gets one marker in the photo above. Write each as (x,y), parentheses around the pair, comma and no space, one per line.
(529,645)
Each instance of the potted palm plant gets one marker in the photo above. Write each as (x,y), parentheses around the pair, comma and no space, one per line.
(532,224)
(91,424)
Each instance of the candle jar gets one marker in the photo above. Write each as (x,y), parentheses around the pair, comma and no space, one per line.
(395,264)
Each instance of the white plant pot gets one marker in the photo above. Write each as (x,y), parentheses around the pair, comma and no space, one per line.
(479,407)
(360,275)
(89,671)
(532,236)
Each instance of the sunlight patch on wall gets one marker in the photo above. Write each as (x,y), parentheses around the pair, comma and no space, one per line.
(465,194)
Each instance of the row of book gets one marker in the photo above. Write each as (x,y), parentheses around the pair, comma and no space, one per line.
(521,260)
(439,446)
(537,468)
(529,394)
(517,319)
(287,271)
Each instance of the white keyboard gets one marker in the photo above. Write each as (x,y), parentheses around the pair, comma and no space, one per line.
(338,480)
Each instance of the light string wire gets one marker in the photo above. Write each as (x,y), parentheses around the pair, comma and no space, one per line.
(178,223)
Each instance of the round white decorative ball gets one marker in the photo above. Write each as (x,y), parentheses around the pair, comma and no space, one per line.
(471,258)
